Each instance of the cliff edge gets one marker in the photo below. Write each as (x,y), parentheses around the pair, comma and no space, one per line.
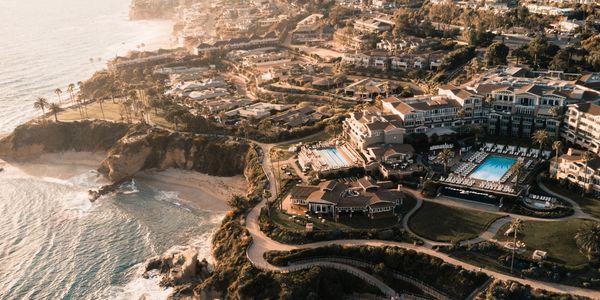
(129,148)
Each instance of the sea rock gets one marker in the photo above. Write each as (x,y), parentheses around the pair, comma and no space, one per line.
(178,267)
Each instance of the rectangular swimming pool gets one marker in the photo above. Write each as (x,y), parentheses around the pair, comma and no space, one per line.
(493,168)
(332,158)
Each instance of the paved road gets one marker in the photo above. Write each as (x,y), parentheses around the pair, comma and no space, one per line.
(261,244)
(578,211)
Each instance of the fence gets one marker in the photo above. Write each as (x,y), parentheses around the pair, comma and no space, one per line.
(427,289)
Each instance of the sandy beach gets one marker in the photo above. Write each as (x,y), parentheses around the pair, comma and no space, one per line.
(195,190)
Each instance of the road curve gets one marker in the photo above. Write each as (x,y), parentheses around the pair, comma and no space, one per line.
(261,244)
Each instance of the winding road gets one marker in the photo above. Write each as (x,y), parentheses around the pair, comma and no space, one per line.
(261,243)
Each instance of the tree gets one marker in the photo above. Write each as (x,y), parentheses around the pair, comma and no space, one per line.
(585,157)
(444,156)
(41,103)
(520,54)
(588,240)
(58,92)
(516,169)
(387,88)
(100,101)
(557,147)
(71,89)
(540,137)
(515,226)
(54,109)
(476,129)
(496,54)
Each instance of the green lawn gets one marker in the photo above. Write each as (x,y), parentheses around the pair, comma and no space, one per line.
(557,238)
(588,205)
(445,224)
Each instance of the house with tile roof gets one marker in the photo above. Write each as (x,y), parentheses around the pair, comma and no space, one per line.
(363,197)
(571,166)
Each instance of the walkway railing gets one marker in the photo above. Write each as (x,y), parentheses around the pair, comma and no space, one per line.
(427,289)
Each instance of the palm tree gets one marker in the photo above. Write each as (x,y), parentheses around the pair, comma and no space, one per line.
(586,157)
(444,156)
(540,137)
(557,147)
(516,169)
(476,129)
(113,91)
(100,101)
(71,89)
(54,109)
(41,103)
(387,88)
(553,111)
(58,92)
(362,90)
(515,226)
(588,240)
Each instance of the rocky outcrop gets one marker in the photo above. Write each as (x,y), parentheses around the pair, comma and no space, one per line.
(151,148)
(178,268)
(33,139)
(130,148)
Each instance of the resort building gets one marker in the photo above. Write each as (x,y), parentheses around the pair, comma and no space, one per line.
(375,25)
(582,126)
(521,111)
(309,30)
(339,199)
(368,89)
(365,129)
(572,167)
(422,113)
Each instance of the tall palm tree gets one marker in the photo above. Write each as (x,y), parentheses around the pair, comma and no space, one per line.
(58,92)
(100,101)
(588,240)
(540,137)
(516,225)
(586,157)
(557,147)
(516,169)
(71,90)
(444,156)
(41,103)
(54,108)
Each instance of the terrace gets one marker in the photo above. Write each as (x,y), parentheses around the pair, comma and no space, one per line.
(490,169)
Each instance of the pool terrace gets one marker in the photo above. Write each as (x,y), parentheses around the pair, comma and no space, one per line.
(325,158)
(490,169)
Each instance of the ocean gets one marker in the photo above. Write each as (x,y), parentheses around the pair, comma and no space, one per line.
(54,243)
(47,44)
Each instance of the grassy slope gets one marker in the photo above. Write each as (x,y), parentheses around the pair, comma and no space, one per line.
(443,223)
(557,238)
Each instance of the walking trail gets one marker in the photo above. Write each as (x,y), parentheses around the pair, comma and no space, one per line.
(261,244)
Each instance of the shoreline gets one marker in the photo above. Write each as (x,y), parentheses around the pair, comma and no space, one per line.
(196,190)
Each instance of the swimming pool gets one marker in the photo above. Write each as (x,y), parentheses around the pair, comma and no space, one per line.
(332,158)
(493,168)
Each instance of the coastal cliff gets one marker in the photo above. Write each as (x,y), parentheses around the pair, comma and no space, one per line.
(130,148)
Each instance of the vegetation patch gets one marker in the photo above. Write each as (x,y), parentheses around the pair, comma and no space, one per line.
(556,238)
(452,280)
(443,223)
